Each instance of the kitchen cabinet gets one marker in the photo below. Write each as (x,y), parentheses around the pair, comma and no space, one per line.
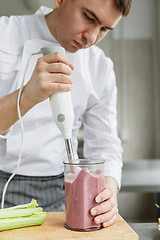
(141,176)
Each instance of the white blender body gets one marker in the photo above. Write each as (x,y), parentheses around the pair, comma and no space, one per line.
(62,108)
(61,105)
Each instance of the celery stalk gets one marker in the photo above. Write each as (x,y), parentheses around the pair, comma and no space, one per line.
(32,204)
(10,213)
(21,216)
(19,222)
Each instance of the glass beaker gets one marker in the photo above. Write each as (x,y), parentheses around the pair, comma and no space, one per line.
(84,180)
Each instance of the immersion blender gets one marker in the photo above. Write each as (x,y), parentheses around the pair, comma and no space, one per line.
(62,108)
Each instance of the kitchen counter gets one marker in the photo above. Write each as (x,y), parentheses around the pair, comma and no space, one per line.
(146,231)
(53,229)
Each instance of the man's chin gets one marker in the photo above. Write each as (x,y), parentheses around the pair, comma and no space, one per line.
(71,49)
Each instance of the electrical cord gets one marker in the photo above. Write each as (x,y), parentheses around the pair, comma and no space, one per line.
(22,132)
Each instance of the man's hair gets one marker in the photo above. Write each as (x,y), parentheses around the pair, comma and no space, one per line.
(124,6)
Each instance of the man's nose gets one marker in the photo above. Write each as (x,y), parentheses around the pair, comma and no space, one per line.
(91,35)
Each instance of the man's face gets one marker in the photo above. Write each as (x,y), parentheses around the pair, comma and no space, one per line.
(82,23)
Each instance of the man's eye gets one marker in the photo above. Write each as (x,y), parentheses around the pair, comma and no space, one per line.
(88,18)
(103,29)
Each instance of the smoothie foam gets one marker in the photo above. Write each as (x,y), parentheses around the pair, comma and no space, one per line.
(80,193)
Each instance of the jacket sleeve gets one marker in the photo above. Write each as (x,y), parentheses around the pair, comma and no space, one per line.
(10,51)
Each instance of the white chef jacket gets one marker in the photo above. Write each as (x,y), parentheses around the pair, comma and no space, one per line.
(94,97)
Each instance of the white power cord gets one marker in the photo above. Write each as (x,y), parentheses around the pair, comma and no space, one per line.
(22,133)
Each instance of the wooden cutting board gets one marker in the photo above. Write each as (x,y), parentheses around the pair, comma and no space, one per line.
(53,229)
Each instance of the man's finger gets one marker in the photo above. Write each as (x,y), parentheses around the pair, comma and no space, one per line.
(56,57)
(106,194)
(110,222)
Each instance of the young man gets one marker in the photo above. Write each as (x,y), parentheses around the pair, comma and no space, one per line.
(76,25)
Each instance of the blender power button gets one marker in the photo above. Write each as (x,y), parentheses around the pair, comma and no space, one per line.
(60,117)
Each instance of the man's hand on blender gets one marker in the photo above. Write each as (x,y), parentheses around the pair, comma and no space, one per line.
(107,210)
(51,74)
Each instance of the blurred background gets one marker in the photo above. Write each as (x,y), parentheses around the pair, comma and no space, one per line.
(134,47)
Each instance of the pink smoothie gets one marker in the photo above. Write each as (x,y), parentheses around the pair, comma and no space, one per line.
(80,198)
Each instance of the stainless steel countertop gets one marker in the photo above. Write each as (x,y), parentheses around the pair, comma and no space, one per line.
(141,176)
(146,231)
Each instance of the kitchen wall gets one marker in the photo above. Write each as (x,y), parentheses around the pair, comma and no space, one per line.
(134,46)
(20,7)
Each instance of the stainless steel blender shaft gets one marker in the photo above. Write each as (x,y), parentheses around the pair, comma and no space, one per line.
(69,149)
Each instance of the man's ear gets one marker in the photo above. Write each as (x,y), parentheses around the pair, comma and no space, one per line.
(58,3)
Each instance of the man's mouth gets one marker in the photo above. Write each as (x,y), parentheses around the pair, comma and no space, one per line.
(78,45)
